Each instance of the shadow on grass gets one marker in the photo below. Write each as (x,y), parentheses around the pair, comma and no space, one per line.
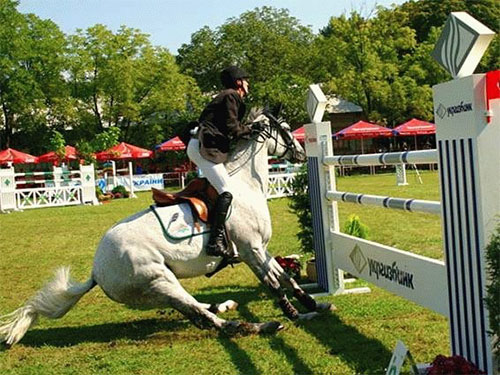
(108,332)
(366,355)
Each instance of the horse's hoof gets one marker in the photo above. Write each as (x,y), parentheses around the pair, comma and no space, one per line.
(325,306)
(308,316)
(271,327)
(227,306)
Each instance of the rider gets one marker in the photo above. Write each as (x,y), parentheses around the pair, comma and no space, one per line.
(219,126)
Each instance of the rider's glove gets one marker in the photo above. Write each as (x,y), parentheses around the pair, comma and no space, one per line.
(257,127)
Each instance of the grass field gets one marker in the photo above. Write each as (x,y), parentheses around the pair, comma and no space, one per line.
(101,337)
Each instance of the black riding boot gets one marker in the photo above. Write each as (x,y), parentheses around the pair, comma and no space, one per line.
(216,245)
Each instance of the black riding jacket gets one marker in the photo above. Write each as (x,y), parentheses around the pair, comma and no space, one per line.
(220,125)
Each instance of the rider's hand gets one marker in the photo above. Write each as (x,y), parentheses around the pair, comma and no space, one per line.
(257,127)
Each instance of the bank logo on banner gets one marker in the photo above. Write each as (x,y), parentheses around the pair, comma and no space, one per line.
(358,259)
(441,111)
(462,44)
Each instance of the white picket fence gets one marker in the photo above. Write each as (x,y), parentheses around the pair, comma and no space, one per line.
(59,187)
(280,180)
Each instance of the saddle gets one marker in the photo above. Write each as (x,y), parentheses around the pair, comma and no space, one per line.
(199,194)
(201,197)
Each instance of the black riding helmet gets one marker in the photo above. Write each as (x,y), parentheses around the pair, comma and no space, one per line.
(230,75)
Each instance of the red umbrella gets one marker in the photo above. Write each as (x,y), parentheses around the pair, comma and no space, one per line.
(362,130)
(415,127)
(123,151)
(300,134)
(51,157)
(174,144)
(16,157)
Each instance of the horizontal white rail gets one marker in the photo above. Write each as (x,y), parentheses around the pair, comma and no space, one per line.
(386,158)
(406,204)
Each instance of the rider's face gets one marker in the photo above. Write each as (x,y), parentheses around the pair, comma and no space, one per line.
(243,87)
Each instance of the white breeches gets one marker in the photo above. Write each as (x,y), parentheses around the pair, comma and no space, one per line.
(215,173)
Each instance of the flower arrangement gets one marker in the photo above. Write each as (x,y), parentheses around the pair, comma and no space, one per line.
(290,264)
(453,365)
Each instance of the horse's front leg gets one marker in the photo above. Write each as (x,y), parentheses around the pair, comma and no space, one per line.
(271,274)
(303,297)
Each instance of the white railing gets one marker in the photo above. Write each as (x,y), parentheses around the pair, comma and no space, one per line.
(48,197)
(59,187)
(280,185)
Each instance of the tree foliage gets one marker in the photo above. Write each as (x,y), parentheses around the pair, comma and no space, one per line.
(32,91)
(119,79)
(83,85)
(272,46)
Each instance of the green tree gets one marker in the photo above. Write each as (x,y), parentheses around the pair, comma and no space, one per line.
(57,143)
(362,58)
(120,80)
(426,15)
(32,91)
(267,42)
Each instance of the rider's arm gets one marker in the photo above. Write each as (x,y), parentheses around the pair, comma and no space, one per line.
(232,105)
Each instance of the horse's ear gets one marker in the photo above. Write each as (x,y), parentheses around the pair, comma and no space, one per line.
(254,113)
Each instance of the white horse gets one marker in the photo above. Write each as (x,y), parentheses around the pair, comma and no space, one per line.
(136,264)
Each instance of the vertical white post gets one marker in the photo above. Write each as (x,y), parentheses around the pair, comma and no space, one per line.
(57,175)
(113,166)
(401,175)
(469,179)
(470,195)
(324,213)
(318,141)
(131,179)
(7,189)
(88,184)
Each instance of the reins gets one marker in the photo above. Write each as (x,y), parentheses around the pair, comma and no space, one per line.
(261,138)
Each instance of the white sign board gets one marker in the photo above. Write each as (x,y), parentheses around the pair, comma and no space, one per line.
(142,182)
(408,275)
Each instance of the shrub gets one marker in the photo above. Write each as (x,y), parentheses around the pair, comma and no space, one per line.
(493,290)
(120,191)
(191,175)
(355,227)
(300,204)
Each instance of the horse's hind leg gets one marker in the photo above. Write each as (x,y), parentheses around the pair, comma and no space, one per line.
(166,290)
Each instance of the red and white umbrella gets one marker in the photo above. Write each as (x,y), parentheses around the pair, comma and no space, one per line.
(123,151)
(173,144)
(300,134)
(413,128)
(52,157)
(361,130)
(16,157)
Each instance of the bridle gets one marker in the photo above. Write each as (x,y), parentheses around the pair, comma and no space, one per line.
(286,136)
(267,133)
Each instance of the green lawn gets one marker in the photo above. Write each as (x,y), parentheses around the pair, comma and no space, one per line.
(101,337)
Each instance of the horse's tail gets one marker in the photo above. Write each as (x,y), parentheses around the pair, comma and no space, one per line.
(53,301)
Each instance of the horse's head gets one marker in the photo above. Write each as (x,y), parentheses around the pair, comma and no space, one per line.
(278,137)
